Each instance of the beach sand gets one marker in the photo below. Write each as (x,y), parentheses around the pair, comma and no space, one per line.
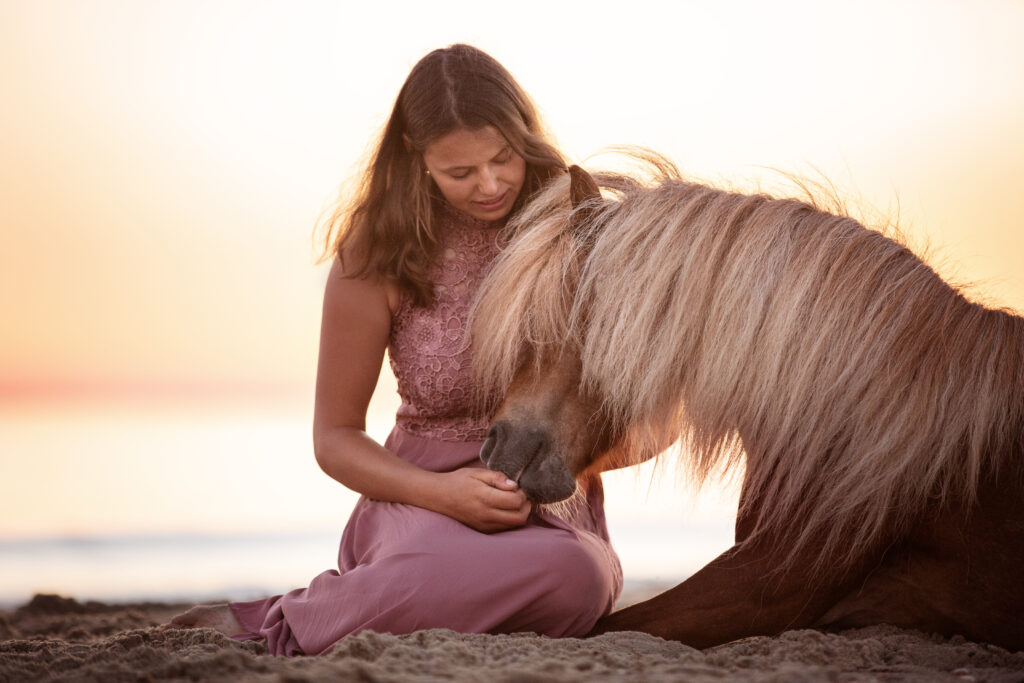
(55,638)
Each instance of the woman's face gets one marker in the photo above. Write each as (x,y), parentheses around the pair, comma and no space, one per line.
(477,171)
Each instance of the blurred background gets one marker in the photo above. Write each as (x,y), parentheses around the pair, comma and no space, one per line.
(162,165)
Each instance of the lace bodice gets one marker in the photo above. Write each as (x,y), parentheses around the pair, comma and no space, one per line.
(428,350)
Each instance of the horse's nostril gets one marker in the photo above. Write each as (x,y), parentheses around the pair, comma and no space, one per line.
(496,431)
(485,450)
(494,435)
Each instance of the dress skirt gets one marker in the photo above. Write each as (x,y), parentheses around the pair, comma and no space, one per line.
(402,568)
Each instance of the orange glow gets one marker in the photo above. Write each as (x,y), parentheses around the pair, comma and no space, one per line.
(162,166)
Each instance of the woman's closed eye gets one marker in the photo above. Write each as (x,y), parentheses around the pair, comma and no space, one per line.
(502,158)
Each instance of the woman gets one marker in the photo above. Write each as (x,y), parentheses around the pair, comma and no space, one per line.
(435,540)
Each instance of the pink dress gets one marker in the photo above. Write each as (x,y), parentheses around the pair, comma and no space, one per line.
(402,568)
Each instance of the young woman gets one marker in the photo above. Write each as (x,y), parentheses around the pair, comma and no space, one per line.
(436,540)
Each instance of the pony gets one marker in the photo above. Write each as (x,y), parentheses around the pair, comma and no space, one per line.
(874,412)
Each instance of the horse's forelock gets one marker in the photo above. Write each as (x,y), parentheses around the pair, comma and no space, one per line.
(517,312)
(526,308)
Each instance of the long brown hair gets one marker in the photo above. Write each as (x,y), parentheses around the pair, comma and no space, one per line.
(387,222)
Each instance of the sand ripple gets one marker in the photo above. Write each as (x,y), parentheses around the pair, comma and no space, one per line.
(59,639)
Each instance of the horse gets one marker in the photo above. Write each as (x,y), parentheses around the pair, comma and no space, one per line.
(874,413)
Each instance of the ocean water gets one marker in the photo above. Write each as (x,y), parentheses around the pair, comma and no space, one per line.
(124,503)
(197,567)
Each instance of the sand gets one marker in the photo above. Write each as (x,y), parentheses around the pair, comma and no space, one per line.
(55,638)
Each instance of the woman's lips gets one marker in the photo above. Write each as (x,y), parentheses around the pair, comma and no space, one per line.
(493,204)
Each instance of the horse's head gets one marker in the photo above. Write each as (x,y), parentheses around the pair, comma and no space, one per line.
(547,429)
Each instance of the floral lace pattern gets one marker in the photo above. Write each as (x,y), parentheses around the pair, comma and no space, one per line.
(428,348)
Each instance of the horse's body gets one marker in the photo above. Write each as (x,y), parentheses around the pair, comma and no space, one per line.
(878,413)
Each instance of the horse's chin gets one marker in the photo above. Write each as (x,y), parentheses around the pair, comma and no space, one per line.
(527,457)
(548,482)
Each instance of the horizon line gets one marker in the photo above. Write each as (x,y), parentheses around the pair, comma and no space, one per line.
(30,390)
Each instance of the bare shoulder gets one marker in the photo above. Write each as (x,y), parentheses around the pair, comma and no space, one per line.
(348,285)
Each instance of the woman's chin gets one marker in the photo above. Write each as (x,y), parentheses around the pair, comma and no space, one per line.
(488,212)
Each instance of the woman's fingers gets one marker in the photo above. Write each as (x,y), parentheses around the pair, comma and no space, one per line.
(495,479)
(490,501)
(505,500)
(503,520)
(512,513)
(500,491)
(505,509)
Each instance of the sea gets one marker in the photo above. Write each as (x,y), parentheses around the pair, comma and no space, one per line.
(126,503)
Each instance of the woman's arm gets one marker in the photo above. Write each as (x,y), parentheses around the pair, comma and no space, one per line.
(353,336)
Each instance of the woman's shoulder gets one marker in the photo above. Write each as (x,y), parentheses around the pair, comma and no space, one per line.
(352,279)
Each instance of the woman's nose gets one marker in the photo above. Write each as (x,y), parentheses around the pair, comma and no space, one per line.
(488,182)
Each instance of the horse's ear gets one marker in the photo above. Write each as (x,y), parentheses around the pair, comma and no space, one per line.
(582,187)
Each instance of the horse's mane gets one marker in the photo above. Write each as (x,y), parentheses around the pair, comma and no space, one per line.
(857,384)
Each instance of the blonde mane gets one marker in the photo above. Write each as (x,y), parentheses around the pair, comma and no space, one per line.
(854,383)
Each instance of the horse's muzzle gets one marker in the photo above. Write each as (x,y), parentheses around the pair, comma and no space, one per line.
(527,457)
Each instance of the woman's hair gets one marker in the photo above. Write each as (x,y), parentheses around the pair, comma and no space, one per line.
(386,224)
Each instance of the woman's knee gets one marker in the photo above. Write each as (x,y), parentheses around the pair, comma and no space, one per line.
(587,583)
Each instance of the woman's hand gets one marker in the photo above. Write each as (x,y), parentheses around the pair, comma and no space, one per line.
(481,499)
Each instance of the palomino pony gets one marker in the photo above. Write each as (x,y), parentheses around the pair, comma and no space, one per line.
(879,414)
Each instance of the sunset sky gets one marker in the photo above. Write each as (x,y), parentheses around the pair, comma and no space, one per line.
(162,165)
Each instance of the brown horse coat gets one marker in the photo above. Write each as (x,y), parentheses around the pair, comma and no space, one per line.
(878,413)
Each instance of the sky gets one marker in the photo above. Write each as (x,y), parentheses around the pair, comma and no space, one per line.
(162,165)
